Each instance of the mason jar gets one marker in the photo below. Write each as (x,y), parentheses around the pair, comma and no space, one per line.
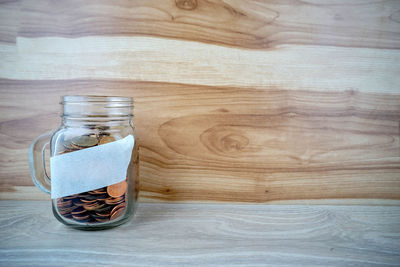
(94,162)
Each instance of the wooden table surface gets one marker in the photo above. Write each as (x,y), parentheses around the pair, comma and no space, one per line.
(206,235)
(285,101)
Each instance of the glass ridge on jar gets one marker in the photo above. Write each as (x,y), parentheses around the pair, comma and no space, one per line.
(89,121)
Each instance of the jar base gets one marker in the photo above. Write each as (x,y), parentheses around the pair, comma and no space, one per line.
(97,226)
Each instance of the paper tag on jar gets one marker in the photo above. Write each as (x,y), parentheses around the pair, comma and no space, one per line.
(91,168)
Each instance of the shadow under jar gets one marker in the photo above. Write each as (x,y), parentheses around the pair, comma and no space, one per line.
(88,122)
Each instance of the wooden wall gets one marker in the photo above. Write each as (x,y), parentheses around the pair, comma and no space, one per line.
(243,101)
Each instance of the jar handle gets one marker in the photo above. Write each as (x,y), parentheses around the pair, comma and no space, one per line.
(37,162)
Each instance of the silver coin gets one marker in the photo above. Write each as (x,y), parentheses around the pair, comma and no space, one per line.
(84,141)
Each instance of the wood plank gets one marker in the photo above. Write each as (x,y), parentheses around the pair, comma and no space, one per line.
(9,21)
(205,235)
(251,24)
(294,67)
(33,193)
(226,143)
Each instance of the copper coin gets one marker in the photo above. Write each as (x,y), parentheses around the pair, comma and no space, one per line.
(78,202)
(118,189)
(68,216)
(75,147)
(116,208)
(70,197)
(81,217)
(102,198)
(64,152)
(98,191)
(103,214)
(114,201)
(92,197)
(88,201)
(93,206)
(100,220)
(95,197)
(117,213)
(64,204)
(60,206)
(78,210)
(106,139)
(106,208)
(66,211)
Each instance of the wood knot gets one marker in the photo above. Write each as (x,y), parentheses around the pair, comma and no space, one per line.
(234,142)
(186,4)
(224,110)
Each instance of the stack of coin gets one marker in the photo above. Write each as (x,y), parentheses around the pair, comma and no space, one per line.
(96,206)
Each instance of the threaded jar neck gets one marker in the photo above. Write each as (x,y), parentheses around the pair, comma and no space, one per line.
(98,109)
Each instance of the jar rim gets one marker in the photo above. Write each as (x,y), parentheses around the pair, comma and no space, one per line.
(96,98)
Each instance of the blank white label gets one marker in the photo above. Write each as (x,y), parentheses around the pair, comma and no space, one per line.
(91,168)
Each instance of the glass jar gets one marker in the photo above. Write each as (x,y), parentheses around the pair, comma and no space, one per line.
(88,135)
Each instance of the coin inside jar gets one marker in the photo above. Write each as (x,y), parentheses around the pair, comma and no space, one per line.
(98,205)
(67,144)
(117,213)
(118,189)
(84,141)
(106,139)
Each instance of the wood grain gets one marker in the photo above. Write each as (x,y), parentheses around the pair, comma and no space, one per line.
(229,144)
(206,235)
(294,67)
(248,24)
(242,101)
(9,21)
